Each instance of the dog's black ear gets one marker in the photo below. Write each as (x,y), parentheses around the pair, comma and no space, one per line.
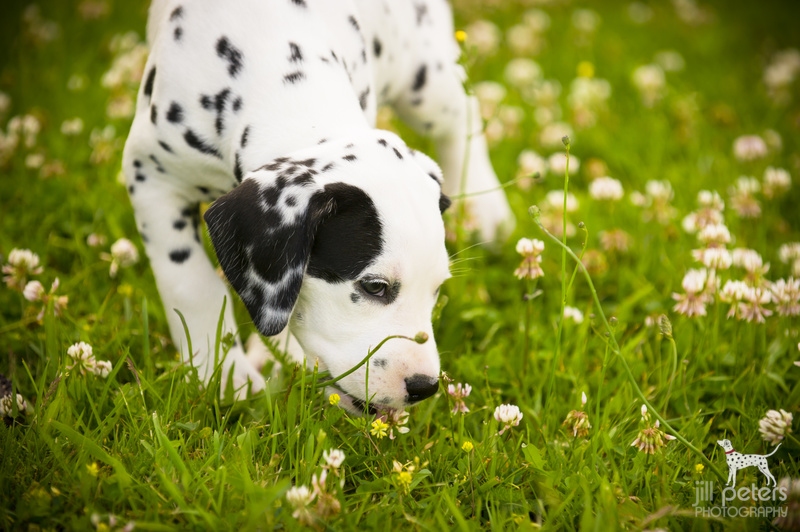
(270,230)
(263,234)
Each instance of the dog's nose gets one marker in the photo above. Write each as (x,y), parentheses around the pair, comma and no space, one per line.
(421,387)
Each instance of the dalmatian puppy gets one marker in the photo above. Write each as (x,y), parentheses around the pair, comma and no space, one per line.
(325,227)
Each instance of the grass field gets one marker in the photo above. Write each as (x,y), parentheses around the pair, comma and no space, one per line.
(667,98)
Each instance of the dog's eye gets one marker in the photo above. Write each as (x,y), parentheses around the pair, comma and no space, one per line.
(374,287)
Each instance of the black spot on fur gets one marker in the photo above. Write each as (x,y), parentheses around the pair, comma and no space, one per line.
(307,162)
(231,54)
(179,256)
(175,113)
(140,177)
(322,141)
(433,176)
(290,200)
(420,78)
(148,84)
(237,104)
(245,133)
(294,77)
(199,144)
(137,163)
(203,190)
(421,11)
(295,54)
(153,114)
(301,3)
(130,189)
(364,55)
(333,54)
(157,163)
(383,143)
(396,152)
(380,363)
(355,297)
(206,102)
(350,157)
(304,179)
(176,13)
(237,169)
(179,224)
(350,239)
(362,98)
(327,167)
(444,203)
(177,33)
(166,146)
(377,47)
(354,22)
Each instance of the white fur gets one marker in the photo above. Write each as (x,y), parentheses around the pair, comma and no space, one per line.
(341,72)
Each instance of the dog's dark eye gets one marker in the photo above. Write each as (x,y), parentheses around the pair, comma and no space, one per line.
(374,287)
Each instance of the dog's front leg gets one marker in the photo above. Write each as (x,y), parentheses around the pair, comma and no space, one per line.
(169,222)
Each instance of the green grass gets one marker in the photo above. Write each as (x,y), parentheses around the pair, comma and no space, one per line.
(169,455)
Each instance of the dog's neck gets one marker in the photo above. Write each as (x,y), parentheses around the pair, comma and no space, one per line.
(731,451)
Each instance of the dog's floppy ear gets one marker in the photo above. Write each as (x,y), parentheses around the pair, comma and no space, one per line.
(263,232)
(430,167)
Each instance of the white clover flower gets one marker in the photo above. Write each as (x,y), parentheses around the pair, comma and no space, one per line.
(776,181)
(333,458)
(101,368)
(34,291)
(300,497)
(526,246)
(529,163)
(555,200)
(558,164)
(508,415)
(123,254)
(714,234)
(717,258)
(749,148)
(747,185)
(574,314)
(489,94)
(659,190)
(789,252)
(748,259)
(80,351)
(606,188)
(523,41)
(459,392)
(786,294)
(551,135)
(537,20)
(483,36)
(72,127)
(650,81)
(7,405)
(710,199)
(775,425)
(585,20)
(670,60)
(583,399)
(520,72)
(694,281)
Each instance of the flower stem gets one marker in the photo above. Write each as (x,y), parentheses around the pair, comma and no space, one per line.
(616,350)
(563,244)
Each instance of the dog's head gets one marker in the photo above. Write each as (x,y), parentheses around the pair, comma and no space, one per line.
(725,444)
(346,239)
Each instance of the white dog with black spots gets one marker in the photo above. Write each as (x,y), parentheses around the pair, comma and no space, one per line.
(737,461)
(324,226)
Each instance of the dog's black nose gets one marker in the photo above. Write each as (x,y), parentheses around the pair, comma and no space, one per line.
(421,387)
